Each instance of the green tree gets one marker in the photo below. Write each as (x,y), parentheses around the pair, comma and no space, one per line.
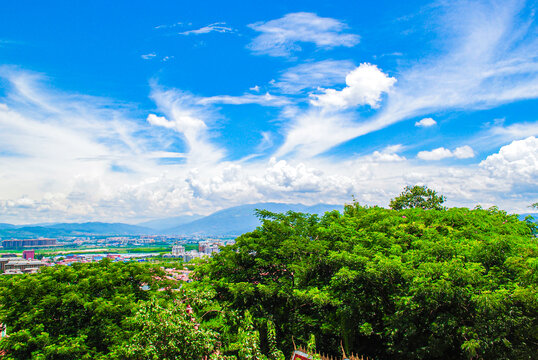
(274,353)
(417,197)
(76,309)
(248,345)
(408,284)
(166,331)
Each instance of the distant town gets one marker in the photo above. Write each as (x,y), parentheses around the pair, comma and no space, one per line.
(23,256)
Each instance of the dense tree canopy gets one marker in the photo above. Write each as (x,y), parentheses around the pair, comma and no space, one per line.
(417,197)
(410,284)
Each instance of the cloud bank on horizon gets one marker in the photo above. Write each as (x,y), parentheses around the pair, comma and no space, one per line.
(316,113)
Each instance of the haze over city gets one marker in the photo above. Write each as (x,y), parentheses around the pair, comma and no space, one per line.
(134,111)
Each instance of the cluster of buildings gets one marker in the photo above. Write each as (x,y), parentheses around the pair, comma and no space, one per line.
(27,264)
(26,243)
(205,248)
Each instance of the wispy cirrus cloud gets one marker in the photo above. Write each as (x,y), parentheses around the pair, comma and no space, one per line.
(488,60)
(281,37)
(148,56)
(265,100)
(98,163)
(312,75)
(219,27)
(189,119)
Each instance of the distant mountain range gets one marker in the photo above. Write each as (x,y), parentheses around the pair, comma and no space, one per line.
(168,223)
(70,229)
(240,219)
(228,222)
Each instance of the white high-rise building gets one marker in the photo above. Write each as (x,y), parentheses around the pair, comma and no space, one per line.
(178,250)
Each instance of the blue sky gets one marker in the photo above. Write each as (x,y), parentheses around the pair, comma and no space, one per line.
(133,110)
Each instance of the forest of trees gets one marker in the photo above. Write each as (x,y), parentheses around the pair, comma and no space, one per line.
(421,282)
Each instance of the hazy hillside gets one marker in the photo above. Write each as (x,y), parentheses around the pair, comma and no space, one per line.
(240,219)
(72,229)
(168,223)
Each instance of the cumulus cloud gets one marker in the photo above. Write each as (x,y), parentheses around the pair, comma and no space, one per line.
(280,37)
(426,122)
(313,75)
(365,85)
(517,161)
(218,27)
(462,152)
(389,154)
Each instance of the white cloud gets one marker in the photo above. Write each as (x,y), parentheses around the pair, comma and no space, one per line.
(389,154)
(471,70)
(313,131)
(365,85)
(72,141)
(515,131)
(426,122)
(435,154)
(265,100)
(189,119)
(218,27)
(462,152)
(280,37)
(475,69)
(148,56)
(266,141)
(515,162)
(313,75)
(255,88)
(164,26)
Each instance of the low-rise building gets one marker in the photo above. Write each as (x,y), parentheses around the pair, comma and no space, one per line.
(28,254)
(5,260)
(24,266)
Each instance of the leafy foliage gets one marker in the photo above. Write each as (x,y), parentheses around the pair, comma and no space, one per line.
(69,310)
(165,332)
(417,197)
(409,284)
(97,311)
